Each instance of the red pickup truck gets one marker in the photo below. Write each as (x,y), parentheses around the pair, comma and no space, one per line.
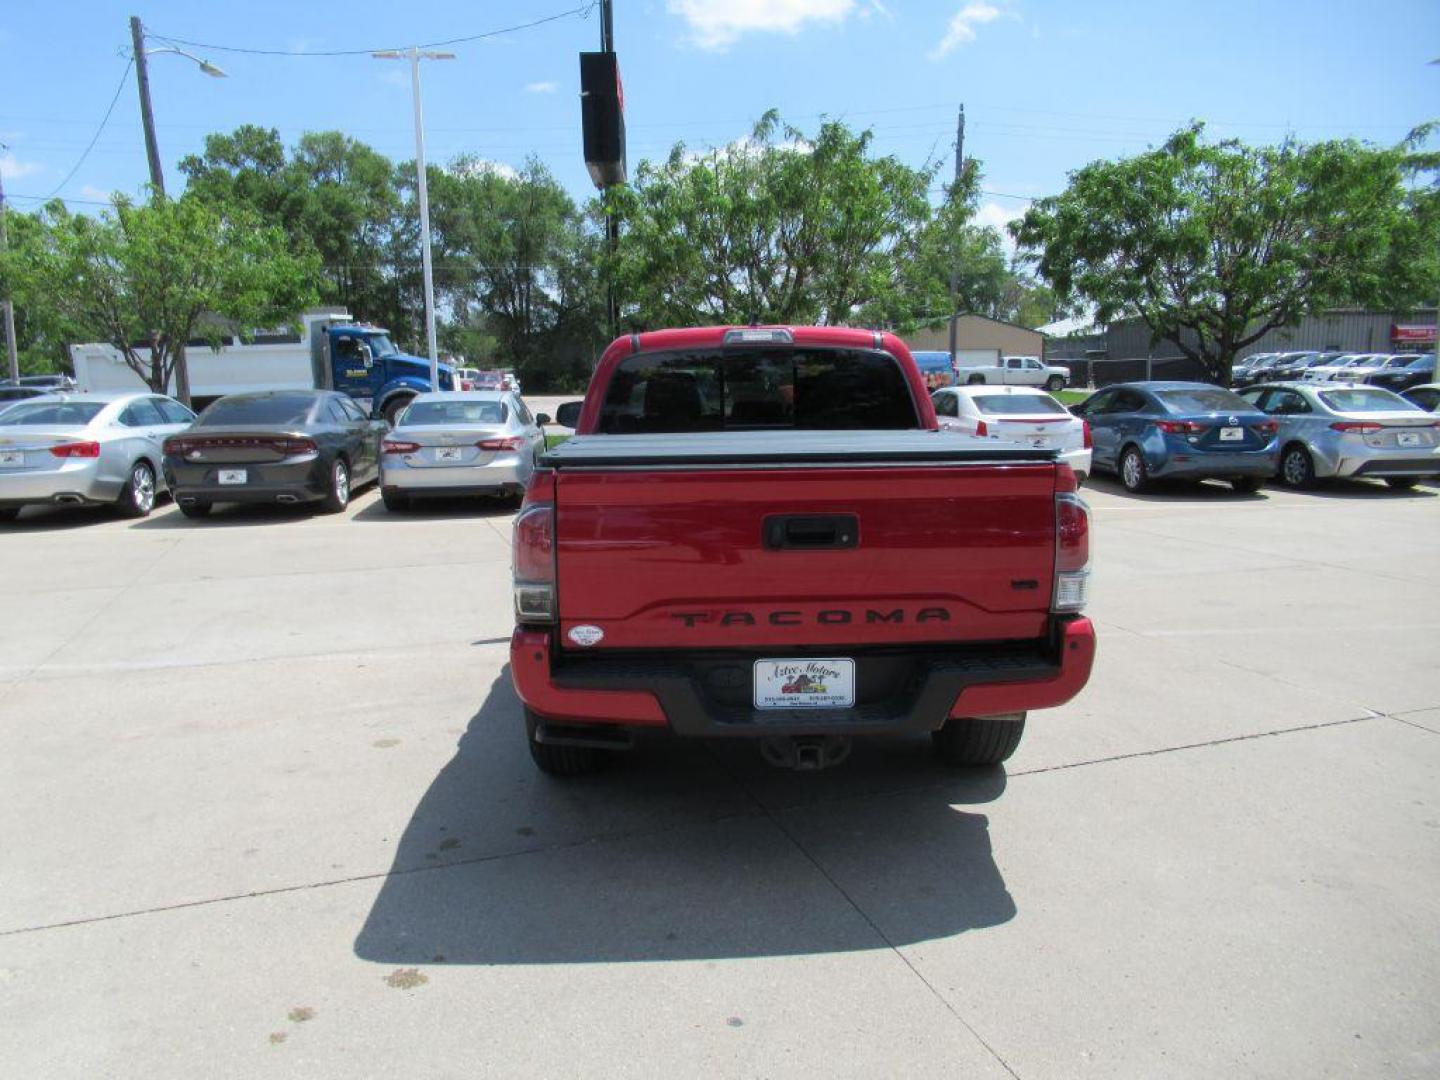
(761,532)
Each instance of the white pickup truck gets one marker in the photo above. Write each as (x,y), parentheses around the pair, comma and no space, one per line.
(1013,371)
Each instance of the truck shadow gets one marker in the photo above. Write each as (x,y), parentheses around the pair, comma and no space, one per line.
(683,851)
(1174,491)
(437,509)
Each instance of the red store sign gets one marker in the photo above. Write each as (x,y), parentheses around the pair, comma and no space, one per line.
(1412,335)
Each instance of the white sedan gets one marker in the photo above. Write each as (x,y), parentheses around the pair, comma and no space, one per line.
(1020,414)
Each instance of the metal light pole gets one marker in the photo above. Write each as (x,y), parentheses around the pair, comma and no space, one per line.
(955,262)
(152,152)
(9,308)
(414,55)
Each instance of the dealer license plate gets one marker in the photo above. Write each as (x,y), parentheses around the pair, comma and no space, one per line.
(804,684)
(1232,434)
(12,457)
(1408,438)
(234,476)
(448,453)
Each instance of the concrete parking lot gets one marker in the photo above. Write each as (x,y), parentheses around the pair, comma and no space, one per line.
(267,811)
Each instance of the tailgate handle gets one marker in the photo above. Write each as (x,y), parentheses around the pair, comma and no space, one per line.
(811,532)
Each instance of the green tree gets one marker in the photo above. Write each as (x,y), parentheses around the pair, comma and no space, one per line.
(782,227)
(149,278)
(1215,244)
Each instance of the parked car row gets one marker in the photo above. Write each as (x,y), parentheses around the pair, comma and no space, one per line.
(282,446)
(1298,431)
(1394,371)
(1020,414)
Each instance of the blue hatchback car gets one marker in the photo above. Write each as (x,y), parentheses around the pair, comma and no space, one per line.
(1183,431)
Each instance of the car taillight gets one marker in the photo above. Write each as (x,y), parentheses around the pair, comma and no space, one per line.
(393,446)
(533,553)
(1355,427)
(500,444)
(1072,553)
(290,447)
(1089,443)
(1181,427)
(76,449)
(466,385)
(981,429)
(1268,427)
(175,447)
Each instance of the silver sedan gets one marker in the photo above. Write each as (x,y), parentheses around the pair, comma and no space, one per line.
(1349,431)
(86,449)
(478,442)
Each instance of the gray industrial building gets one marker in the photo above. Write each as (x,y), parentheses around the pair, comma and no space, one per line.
(1123,350)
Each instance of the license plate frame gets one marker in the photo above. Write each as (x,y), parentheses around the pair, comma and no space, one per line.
(1409,438)
(1232,434)
(233,477)
(792,682)
(12,457)
(448,453)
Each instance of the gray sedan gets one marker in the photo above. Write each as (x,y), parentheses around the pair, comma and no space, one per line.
(479,442)
(1349,431)
(86,449)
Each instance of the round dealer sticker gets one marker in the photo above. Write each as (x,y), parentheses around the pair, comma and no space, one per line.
(586,635)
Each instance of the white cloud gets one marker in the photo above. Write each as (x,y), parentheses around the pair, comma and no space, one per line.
(12,168)
(961,30)
(96,194)
(479,167)
(541,87)
(995,216)
(718,24)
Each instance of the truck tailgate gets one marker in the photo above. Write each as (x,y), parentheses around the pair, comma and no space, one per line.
(724,555)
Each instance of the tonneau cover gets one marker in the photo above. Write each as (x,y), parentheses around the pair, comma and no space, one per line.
(762,447)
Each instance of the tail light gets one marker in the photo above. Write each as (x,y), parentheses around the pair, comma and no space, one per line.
(533,552)
(1089,443)
(500,444)
(76,449)
(1356,427)
(175,447)
(980,428)
(392,446)
(1268,427)
(1181,427)
(1072,553)
(290,447)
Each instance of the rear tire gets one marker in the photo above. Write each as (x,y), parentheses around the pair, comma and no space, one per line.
(561,760)
(137,497)
(1245,485)
(1402,483)
(981,740)
(1055,382)
(196,510)
(395,501)
(338,497)
(975,380)
(1297,467)
(1133,473)
(9,513)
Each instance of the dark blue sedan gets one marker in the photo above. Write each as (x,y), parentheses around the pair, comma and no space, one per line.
(1183,431)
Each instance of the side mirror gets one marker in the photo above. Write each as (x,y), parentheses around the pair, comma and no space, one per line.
(366,356)
(542,419)
(568,415)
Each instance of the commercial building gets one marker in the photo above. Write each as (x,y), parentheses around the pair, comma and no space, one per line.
(979,339)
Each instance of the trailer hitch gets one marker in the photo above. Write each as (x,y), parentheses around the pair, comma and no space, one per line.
(805,753)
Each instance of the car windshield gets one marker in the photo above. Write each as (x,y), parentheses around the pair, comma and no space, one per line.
(381,345)
(1363,399)
(1420,362)
(66,413)
(1201,400)
(433,413)
(714,390)
(1018,404)
(285,409)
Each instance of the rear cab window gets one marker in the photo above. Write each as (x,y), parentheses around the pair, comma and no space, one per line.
(727,390)
(1201,400)
(1018,404)
(1365,401)
(270,409)
(69,413)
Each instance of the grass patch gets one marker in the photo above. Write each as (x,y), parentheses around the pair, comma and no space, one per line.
(554,440)
(1070,397)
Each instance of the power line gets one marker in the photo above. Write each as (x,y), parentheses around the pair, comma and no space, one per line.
(98,131)
(581,11)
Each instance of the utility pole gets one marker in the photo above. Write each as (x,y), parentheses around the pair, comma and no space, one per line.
(142,81)
(9,308)
(612,224)
(414,55)
(955,262)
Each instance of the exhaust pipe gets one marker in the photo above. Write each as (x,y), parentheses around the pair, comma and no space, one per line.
(806,753)
(69,500)
(286,499)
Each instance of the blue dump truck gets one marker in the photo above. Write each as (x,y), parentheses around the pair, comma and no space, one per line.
(332,351)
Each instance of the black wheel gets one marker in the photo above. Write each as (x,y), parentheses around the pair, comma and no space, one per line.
(1402,483)
(975,380)
(1246,485)
(338,497)
(1055,382)
(1133,473)
(137,497)
(394,408)
(1297,467)
(395,501)
(560,760)
(983,740)
(195,509)
(9,513)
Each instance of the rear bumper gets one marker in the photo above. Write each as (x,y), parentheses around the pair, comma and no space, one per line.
(506,473)
(306,480)
(1206,463)
(915,688)
(76,481)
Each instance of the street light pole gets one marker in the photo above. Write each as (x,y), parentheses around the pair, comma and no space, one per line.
(9,308)
(414,55)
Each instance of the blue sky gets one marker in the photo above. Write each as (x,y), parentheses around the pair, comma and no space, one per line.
(1048,85)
